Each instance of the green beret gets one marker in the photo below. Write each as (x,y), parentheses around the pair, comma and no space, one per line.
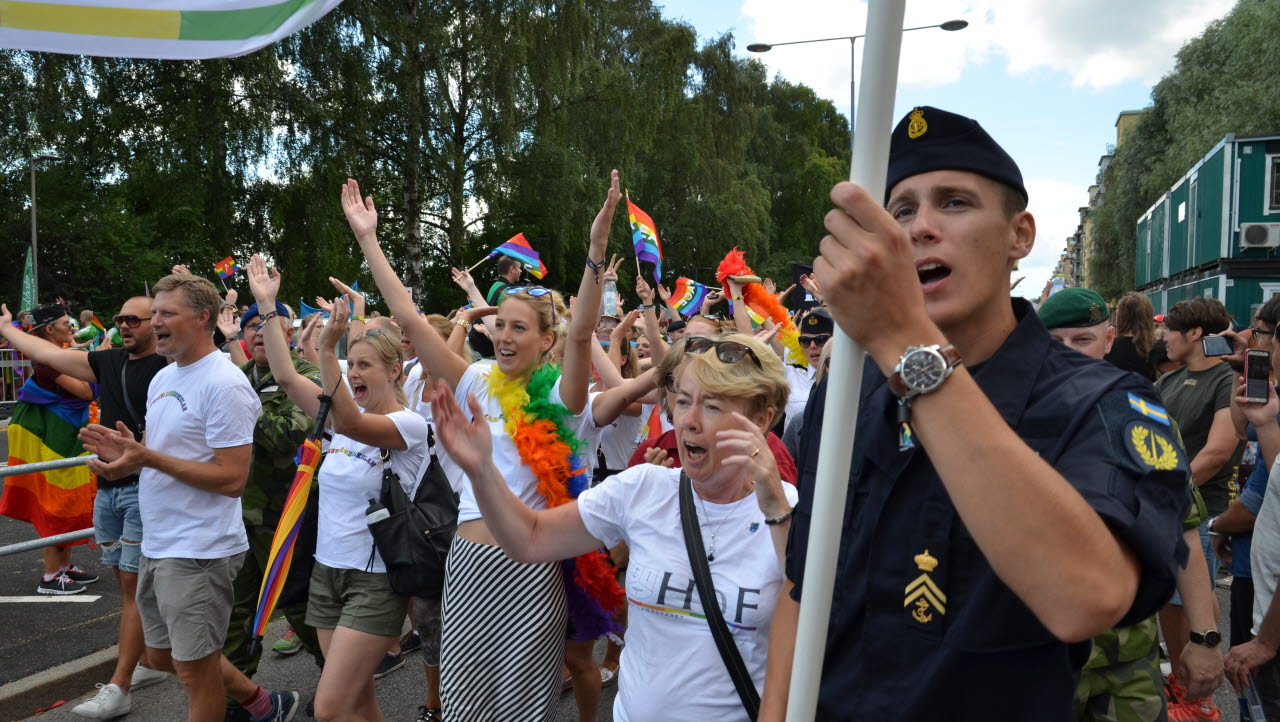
(1073,308)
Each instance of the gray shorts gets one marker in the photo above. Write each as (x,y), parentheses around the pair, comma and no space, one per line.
(185,604)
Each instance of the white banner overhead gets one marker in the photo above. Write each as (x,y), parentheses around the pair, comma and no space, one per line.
(169,29)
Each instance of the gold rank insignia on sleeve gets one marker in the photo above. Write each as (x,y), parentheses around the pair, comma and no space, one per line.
(922,593)
(916,125)
(1150,447)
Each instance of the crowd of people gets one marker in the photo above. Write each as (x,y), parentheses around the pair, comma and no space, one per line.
(1037,496)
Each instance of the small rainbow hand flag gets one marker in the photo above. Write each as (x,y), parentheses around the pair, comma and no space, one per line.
(644,236)
(226,268)
(518,248)
(102,330)
(688,296)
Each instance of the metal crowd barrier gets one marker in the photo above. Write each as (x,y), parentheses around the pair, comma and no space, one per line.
(14,371)
(49,541)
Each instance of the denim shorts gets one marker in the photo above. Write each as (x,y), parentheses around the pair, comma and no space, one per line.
(117,527)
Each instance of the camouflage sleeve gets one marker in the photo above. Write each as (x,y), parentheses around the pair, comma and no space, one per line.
(281,429)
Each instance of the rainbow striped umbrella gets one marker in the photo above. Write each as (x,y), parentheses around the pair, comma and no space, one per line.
(286,535)
(172,29)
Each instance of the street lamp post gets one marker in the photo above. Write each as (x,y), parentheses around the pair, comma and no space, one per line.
(949,26)
(35,254)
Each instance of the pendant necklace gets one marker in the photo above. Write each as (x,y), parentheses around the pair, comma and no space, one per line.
(711,549)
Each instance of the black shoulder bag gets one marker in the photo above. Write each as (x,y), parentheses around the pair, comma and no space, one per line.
(414,536)
(729,653)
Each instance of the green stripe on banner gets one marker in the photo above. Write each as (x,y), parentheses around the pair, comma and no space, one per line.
(32,422)
(238,24)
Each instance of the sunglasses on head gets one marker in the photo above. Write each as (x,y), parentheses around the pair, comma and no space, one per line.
(820,339)
(131,321)
(535,292)
(730,352)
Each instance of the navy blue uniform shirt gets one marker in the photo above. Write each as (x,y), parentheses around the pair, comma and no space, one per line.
(921,628)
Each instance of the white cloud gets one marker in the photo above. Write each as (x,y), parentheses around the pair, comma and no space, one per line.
(1055,205)
(1097,43)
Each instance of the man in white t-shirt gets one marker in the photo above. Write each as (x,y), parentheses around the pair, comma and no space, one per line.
(201,412)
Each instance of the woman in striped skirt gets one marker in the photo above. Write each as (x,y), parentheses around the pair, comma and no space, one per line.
(504,622)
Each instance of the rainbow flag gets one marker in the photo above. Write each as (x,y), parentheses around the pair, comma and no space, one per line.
(688,296)
(102,330)
(518,248)
(644,236)
(227,267)
(43,428)
(171,29)
(286,535)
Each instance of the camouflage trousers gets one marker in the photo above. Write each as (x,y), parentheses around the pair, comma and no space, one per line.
(1124,692)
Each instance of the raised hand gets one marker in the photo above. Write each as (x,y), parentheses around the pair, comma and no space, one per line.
(463,279)
(744,447)
(264,283)
(227,323)
(600,226)
(323,303)
(181,270)
(361,214)
(770,286)
(351,294)
(6,318)
(644,291)
(664,293)
(658,456)
(782,297)
(611,272)
(336,329)
(231,297)
(469,442)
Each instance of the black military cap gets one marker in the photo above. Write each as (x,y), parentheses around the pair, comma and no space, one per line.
(929,139)
(817,322)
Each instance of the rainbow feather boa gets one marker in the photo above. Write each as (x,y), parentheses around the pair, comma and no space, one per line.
(547,445)
(735,264)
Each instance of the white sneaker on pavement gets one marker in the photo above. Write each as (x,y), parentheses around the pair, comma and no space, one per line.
(145,677)
(109,702)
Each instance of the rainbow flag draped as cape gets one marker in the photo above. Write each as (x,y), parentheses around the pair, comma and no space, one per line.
(173,29)
(286,535)
(688,296)
(43,428)
(644,236)
(518,248)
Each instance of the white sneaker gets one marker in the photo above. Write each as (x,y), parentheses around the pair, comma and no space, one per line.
(145,677)
(109,702)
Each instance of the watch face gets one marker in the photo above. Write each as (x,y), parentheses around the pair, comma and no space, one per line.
(1212,639)
(923,370)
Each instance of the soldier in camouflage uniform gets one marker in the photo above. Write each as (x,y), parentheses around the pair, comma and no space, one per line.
(1121,682)
(281,429)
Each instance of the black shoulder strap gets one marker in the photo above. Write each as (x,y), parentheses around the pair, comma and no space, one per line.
(707,595)
(139,423)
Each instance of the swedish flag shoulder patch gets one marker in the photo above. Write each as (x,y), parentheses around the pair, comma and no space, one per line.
(1148,409)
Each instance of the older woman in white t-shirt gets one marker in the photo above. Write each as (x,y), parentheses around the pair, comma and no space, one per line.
(724,395)
(351,605)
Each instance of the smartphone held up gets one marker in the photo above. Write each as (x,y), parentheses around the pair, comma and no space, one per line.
(1257,376)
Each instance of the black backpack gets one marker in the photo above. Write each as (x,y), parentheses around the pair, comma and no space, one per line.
(414,537)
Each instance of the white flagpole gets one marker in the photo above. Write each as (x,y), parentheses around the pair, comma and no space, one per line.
(870,166)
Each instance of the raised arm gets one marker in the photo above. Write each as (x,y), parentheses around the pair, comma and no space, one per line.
(231,331)
(477,299)
(265,285)
(525,535)
(356,299)
(577,350)
(347,418)
(652,331)
(434,352)
(72,363)
(618,340)
(617,401)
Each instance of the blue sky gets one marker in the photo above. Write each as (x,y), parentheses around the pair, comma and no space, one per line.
(1046,78)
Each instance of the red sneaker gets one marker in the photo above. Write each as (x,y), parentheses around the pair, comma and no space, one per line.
(1174,690)
(1196,710)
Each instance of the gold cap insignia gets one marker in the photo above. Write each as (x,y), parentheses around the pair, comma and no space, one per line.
(916,125)
(925,561)
(1095,313)
(813,320)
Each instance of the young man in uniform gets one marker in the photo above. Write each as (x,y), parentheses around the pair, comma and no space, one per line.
(193,462)
(280,430)
(1009,499)
(1122,679)
(122,375)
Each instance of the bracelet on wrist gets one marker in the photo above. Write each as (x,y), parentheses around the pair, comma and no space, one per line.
(266,317)
(361,319)
(781,518)
(464,323)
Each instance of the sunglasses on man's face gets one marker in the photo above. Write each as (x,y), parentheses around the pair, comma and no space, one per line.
(131,321)
(730,352)
(820,339)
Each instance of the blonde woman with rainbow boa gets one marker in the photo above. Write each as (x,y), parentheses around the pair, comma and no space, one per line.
(502,643)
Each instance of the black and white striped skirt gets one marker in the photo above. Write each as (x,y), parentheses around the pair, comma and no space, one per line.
(502,643)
